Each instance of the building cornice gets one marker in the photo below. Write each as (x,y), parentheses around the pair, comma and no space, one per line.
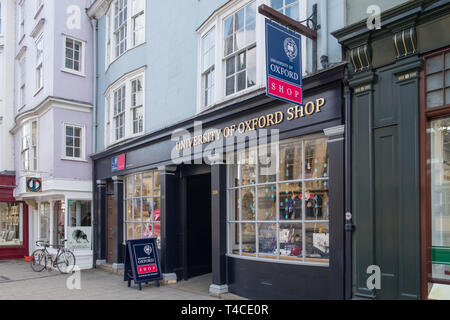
(98,9)
(45,105)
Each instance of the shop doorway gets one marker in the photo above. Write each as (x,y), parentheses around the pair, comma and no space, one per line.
(110,224)
(198,225)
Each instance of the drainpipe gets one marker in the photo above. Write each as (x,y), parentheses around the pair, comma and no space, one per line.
(95,124)
(323,28)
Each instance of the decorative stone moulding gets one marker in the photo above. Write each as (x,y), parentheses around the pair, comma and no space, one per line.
(405,43)
(361,58)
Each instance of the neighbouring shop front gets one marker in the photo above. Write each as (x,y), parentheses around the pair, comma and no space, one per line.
(13,221)
(58,216)
(400,76)
(259,204)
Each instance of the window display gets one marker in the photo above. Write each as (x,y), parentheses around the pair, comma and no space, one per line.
(439,133)
(44,222)
(11,224)
(142,206)
(280,213)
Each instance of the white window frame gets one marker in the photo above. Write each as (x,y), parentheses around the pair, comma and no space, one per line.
(82,128)
(29,147)
(39,66)
(217,21)
(126,80)
(132,108)
(81,72)
(110,41)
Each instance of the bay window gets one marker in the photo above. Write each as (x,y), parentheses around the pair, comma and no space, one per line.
(278,202)
(120,27)
(125,108)
(125,27)
(240,49)
(142,213)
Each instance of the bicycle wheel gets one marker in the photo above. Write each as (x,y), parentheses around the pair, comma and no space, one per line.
(38,260)
(65,262)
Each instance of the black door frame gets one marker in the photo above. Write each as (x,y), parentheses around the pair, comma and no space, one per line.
(187,171)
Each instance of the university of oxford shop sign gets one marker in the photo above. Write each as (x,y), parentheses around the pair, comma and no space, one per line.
(265,121)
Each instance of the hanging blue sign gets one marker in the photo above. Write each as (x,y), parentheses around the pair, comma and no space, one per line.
(283,63)
(142,262)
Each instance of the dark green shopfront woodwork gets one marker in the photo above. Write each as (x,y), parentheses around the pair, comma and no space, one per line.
(385,66)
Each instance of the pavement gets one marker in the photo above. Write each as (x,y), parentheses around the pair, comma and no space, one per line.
(19,282)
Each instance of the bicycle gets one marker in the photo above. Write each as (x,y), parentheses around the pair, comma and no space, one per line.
(64,260)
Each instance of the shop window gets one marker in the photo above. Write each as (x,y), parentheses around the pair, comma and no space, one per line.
(58,222)
(142,214)
(437,80)
(79,230)
(44,222)
(439,138)
(11,224)
(278,202)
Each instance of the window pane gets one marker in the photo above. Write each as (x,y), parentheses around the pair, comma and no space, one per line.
(80,213)
(290,197)
(316,158)
(230,66)
(447,79)
(435,99)
(241,62)
(228,45)
(147,209)
(157,209)
(290,237)
(292,12)
(290,167)
(276,4)
(69,152)
(267,240)
(439,135)
(447,60)
(435,81)
(267,202)
(248,204)
(317,242)
(316,200)
(77,153)
(435,64)
(247,161)
(148,230)
(156,184)
(248,238)
(138,232)
(447,96)
(233,237)
(267,156)
(250,33)
(230,86)
(137,205)
(129,210)
(130,229)
(250,14)
(241,81)
(147,184)
(137,185)
(239,40)
(239,20)
(228,27)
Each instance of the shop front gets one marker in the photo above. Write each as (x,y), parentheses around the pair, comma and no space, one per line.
(400,76)
(58,215)
(13,222)
(251,193)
